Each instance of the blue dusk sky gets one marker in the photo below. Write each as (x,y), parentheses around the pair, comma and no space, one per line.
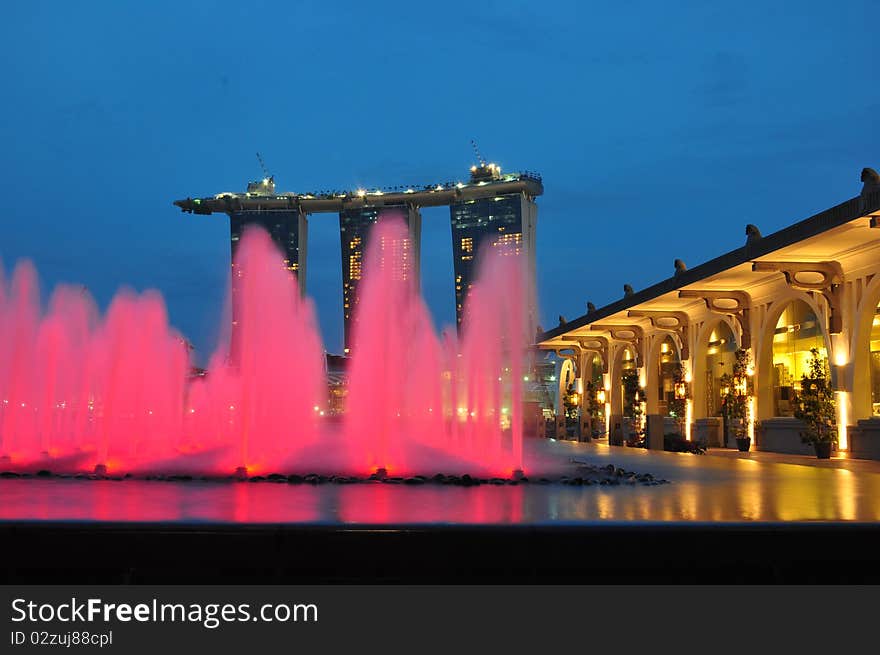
(660,129)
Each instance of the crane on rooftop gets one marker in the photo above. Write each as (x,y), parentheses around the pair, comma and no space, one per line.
(263,187)
(484,171)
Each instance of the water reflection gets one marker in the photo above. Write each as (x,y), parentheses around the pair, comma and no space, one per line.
(720,490)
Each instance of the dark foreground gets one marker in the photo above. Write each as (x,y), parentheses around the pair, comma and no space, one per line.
(49,552)
(718,520)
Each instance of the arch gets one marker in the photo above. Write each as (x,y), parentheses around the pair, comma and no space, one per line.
(702,391)
(625,359)
(566,376)
(861,378)
(593,366)
(764,369)
(660,372)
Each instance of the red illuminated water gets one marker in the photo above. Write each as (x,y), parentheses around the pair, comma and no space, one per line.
(80,389)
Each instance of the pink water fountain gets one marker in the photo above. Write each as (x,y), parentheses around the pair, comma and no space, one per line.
(82,392)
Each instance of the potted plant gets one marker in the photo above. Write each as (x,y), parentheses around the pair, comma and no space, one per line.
(815,406)
(736,400)
(593,408)
(677,406)
(570,403)
(632,408)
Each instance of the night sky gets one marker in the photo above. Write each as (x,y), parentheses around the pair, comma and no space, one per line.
(660,131)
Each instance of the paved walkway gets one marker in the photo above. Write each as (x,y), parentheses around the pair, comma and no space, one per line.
(841,461)
(837,461)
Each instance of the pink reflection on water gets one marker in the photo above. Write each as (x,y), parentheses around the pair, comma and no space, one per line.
(389,504)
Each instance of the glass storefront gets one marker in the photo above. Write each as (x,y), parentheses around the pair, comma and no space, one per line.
(628,392)
(797,332)
(669,365)
(720,358)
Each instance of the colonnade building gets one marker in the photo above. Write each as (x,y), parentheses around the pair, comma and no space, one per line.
(814,285)
(490,207)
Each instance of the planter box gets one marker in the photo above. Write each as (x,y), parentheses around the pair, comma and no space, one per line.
(708,431)
(782,435)
(671,424)
(864,439)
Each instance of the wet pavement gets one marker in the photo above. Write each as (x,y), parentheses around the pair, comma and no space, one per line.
(721,486)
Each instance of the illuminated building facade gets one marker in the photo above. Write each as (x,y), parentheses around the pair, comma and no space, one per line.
(355,226)
(506,221)
(492,204)
(810,289)
(281,224)
(287,226)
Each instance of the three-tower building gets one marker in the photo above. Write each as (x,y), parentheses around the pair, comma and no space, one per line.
(490,209)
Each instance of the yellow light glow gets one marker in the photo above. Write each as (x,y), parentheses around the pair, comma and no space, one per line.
(751,418)
(688,377)
(689,415)
(361,193)
(842,419)
(840,347)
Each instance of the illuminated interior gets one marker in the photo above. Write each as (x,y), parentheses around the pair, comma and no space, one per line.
(797,331)
(594,384)
(668,364)
(594,371)
(628,364)
(632,396)
(719,360)
(875,362)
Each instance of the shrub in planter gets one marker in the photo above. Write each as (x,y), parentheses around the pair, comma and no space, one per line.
(815,406)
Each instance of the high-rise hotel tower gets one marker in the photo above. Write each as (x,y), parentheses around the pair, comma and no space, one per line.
(355,227)
(506,220)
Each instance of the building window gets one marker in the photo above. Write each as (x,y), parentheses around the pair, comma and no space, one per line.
(719,361)
(797,331)
(668,364)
